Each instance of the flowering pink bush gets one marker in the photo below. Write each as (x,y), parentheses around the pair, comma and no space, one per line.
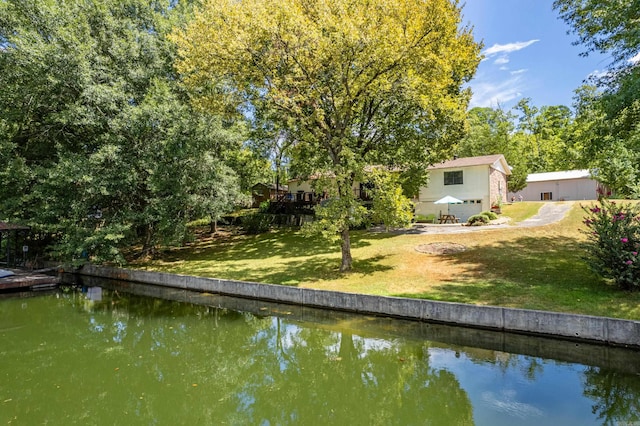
(613,242)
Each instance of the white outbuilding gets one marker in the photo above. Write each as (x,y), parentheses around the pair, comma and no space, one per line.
(560,186)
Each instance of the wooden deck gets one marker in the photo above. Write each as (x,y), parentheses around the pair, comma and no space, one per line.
(33,280)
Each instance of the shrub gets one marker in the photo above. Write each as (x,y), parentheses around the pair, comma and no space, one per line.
(199,222)
(613,242)
(257,223)
(429,218)
(490,215)
(264,206)
(478,220)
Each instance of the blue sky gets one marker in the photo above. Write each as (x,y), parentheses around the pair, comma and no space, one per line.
(528,54)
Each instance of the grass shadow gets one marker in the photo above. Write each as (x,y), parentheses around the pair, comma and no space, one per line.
(280,257)
(291,272)
(318,269)
(534,272)
(279,243)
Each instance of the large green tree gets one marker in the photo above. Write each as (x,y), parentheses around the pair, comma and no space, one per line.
(353,83)
(99,145)
(608,129)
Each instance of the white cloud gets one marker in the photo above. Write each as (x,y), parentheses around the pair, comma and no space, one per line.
(520,71)
(635,59)
(598,74)
(506,402)
(498,84)
(508,48)
(488,93)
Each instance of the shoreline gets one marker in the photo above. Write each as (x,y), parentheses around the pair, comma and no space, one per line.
(592,329)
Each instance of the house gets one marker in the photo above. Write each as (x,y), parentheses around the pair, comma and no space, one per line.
(267,192)
(301,191)
(479,182)
(560,186)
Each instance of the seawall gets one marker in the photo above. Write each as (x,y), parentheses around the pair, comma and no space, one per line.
(602,330)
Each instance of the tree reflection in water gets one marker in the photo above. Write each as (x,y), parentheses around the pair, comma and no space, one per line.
(124,358)
(616,396)
(320,376)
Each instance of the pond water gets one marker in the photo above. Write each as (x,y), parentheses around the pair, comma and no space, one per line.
(130,354)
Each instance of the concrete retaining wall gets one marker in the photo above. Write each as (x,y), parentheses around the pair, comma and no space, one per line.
(567,326)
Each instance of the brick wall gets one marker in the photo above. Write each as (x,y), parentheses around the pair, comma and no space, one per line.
(497,186)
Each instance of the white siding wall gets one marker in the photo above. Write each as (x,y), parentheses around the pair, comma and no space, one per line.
(475,188)
(299,185)
(573,189)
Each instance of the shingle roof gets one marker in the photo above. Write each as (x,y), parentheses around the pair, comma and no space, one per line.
(4,226)
(468,161)
(272,186)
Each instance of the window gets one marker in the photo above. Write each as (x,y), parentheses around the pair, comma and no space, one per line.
(546,196)
(453,178)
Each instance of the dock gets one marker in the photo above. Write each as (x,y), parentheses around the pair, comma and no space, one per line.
(34,280)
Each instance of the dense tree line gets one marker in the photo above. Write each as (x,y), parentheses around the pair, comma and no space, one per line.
(599,133)
(532,139)
(100,146)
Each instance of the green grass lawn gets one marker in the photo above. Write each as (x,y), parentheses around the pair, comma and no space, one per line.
(519,211)
(533,268)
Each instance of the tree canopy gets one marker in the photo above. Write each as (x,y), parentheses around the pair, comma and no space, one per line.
(100,148)
(606,26)
(351,83)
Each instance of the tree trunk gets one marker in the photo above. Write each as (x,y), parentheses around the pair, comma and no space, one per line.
(346,251)
(148,247)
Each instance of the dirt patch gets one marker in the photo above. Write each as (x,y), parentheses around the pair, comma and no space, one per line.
(441,248)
